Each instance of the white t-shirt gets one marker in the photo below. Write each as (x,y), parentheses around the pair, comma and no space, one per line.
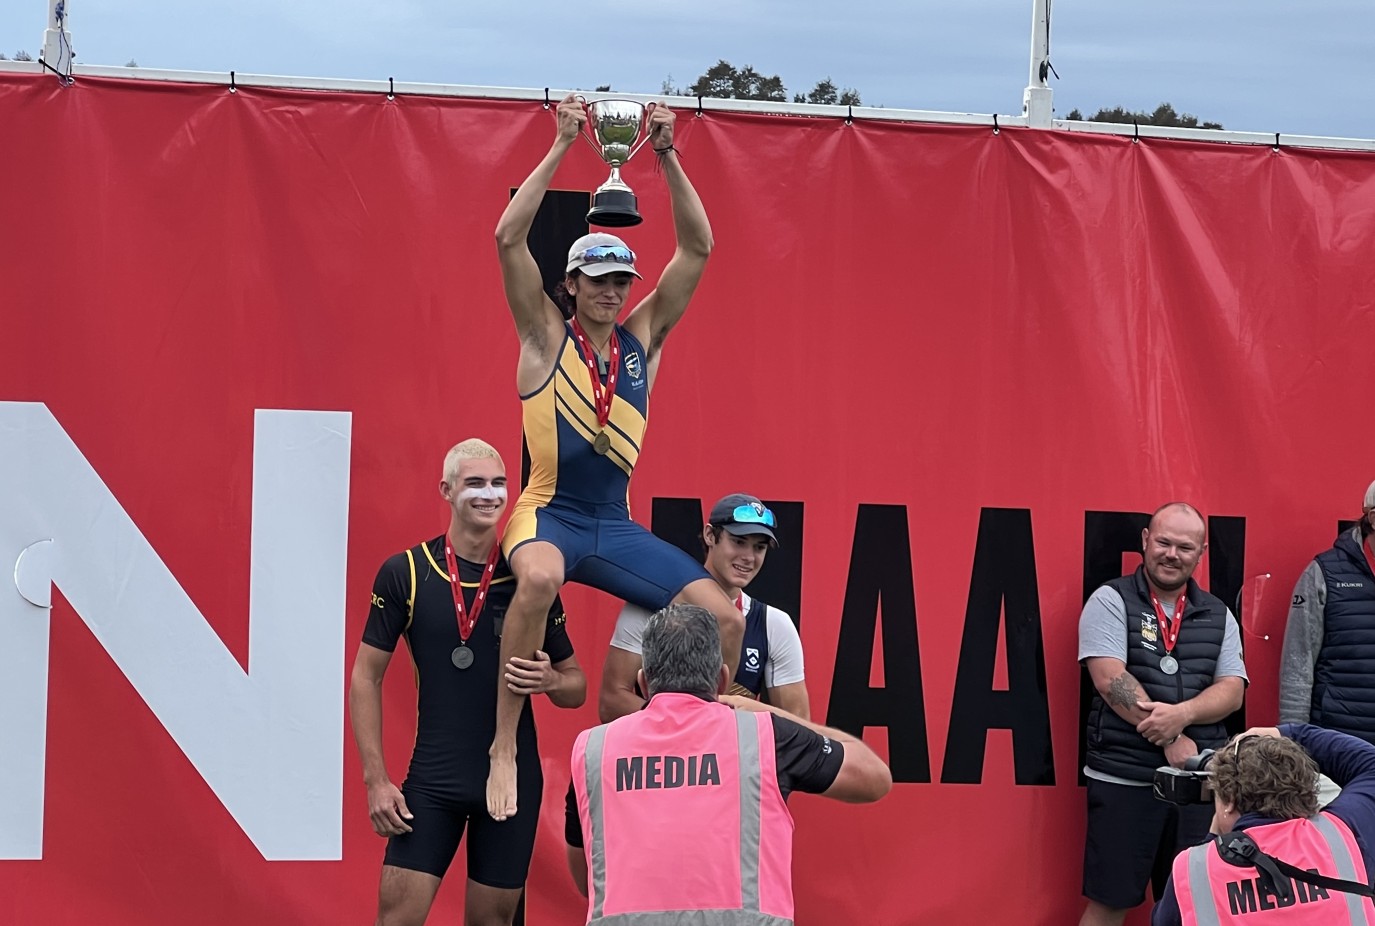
(785,646)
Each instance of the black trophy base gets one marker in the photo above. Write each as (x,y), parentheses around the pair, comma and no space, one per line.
(614,209)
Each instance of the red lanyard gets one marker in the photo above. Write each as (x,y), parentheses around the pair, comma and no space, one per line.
(601,396)
(467,621)
(1169,629)
(1370,560)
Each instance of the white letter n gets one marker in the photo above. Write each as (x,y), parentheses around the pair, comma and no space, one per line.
(268,742)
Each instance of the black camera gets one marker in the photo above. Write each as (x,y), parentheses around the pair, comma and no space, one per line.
(1191,784)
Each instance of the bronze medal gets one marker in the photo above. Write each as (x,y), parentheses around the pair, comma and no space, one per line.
(601,443)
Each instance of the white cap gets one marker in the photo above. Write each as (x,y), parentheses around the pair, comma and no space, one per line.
(1370,497)
(621,260)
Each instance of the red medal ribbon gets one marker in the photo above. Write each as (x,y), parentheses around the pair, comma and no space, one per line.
(1169,628)
(467,621)
(601,396)
(1369,558)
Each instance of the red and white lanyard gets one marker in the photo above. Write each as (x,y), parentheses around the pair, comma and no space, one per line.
(467,620)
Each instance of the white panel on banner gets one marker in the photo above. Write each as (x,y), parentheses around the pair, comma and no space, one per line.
(268,742)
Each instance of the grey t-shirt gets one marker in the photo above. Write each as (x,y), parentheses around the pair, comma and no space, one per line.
(1103,632)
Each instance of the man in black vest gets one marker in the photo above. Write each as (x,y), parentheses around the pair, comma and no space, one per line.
(1327,670)
(1165,659)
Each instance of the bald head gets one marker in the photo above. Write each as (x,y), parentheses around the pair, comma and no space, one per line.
(1172,545)
(1179,508)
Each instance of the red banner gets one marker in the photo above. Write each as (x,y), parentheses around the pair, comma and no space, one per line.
(969,359)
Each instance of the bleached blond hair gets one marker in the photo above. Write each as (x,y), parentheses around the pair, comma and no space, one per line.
(471,449)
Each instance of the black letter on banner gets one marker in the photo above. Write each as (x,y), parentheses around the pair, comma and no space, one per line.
(1226,577)
(560,220)
(1002,590)
(881,569)
(680,520)
(1107,535)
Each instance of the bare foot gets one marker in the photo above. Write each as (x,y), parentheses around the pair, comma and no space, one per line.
(501,787)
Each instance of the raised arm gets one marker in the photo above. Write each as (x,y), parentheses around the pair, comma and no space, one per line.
(538,320)
(654,317)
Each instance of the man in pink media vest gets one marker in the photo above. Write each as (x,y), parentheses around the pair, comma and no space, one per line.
(677,813)
(1265,792)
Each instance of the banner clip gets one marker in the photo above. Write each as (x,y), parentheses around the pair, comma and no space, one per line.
(699,106)
(996,130)
(391,88)
(546,97)
(849,115)
(1277,141)
(232,87)
(65,80)
(1136,133)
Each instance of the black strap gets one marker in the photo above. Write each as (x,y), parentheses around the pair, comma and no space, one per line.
(1240,850)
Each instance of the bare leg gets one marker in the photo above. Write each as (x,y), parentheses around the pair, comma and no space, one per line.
(538,568)
(707,594)
(1097,914)
(405,896)
(489,906)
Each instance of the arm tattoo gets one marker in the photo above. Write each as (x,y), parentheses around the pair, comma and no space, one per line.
(1124,691)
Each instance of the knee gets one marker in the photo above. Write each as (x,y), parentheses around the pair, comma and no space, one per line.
(539,586)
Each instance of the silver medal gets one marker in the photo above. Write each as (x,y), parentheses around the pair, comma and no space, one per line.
(1169,665)
(462,657)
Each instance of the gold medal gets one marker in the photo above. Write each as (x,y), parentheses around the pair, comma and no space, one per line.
(601,443)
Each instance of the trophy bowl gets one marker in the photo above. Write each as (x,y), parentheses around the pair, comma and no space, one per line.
(616,130)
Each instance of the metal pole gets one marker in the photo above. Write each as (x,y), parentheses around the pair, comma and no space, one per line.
(1036,100)
(57,40)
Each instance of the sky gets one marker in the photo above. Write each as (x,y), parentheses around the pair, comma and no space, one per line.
(1254,65)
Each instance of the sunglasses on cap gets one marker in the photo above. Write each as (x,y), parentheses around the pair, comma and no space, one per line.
(752,514)
(608,253)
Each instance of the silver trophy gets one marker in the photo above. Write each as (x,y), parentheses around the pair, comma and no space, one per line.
(615,126)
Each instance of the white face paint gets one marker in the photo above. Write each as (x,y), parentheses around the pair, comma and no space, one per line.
(487,493)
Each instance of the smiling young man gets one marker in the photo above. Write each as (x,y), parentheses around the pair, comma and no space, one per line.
(584,380)
(1165,660)
(447,598)
(737,536)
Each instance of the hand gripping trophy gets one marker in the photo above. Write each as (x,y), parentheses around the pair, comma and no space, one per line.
(614,130)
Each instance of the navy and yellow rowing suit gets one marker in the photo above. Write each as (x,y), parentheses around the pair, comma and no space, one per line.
(576,498)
